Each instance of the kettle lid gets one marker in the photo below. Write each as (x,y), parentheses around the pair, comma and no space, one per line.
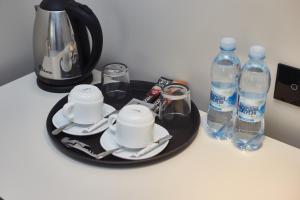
(54,5)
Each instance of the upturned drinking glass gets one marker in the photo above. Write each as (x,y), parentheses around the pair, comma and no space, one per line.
(175,103)
(115,81)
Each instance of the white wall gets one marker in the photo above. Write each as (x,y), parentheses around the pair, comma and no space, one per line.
(177,39)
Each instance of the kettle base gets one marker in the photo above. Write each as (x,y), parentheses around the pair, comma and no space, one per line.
(62,88)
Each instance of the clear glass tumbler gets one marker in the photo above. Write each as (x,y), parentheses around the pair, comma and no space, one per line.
(175,103)
(115,81)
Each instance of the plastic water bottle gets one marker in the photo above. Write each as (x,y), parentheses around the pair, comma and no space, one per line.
(223,97)
(254,85)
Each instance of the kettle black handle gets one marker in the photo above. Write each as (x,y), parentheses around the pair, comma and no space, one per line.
(85,17)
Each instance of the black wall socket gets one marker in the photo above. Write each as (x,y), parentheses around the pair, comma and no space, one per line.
(287,86)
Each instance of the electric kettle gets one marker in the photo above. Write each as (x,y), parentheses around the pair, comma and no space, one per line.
(63,55)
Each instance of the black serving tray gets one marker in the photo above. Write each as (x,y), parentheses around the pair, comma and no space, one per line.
(183,132)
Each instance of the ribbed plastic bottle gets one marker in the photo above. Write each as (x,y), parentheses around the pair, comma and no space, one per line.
(254,85)
(225,71)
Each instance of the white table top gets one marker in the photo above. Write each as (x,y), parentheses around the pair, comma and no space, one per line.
(32,168)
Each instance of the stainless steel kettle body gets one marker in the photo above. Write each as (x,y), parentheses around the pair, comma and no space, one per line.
(63,56)
(54,47)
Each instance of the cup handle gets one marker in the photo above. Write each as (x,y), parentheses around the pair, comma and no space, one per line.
(67,110)
(111,121)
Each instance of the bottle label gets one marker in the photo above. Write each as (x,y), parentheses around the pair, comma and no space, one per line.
(223,100)
(251,110)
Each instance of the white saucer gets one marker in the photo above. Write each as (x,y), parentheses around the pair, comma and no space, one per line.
(108,142)
(59,120)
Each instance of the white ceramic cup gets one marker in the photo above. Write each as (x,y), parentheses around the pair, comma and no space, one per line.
(134,126)
(85,105)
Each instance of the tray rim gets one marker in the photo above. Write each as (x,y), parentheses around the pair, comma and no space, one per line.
(122,163)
